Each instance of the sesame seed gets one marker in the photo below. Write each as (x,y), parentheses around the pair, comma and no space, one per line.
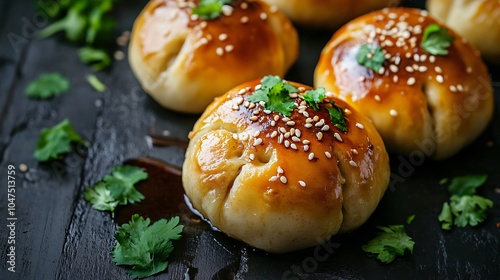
(257,141)
(274,178)
(328,155)
(306,142)
(393,112)
(395,78)
(223,36)
(325,128)
(203,24)
(311,156)
(319,135)
(416,57)
(295,139)
(287,135)
(354,151)
(309,120)
(347,111)
(438,69)
(256,112)
(381,70)
(239,100)
(274,134)
(360,126)
(244,137)
(285,119)
(338,137)
(460,88)
(253,118)
(411,81)
(287,143)
(276,118)
(236,107)
(393,68)
(263,16)
(469,70)
(227,10)
(290,123)
(282,129)
(251,106)
(409,69)
(377,97)
(194,17)
(439,79)
(252,156)
(273,123)
(305,148)
(256,133)
(280,139)
(283,179)
(361,79)
(453,88)
(259,86)
(267,112)
(242,91)
(422,68)
(280,170)
(315,118)
(219,51)
(235,136)
(229,48)
(292,131)
(432,59)
(273,9)
(353,163)
(307,125)
(23,167)
(293,146)
(302,184)
(244,19)
(320,123)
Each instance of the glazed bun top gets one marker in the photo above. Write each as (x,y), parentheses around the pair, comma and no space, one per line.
(476,20)
(278,181)
(437,98)
(184,60)
(327,14)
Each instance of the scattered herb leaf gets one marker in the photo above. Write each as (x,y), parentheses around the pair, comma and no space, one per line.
(275,93)
(390,243)
(443,181)
(144,248)
(96,83)
(410,219)
(56,141)
(47,86)
(337,116)
(97,57)
(436,40)
(101,197)
(210,9)
(371,56)
(314,96)
(464,208)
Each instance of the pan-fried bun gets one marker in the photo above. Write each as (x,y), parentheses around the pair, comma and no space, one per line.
(282,183)
(183,61)
(431,100)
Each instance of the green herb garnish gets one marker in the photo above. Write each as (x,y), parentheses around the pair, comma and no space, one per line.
(465,207)
(390,243)
(436,40)
(210,9)
(314,97)
(275,93)
(47,86)
(117,188)
(97,57)
(371,56)
(56,141)
(96,83)
(144,248)
(337,116)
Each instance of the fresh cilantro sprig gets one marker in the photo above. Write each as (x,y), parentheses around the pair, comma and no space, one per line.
(337,116)
(371,56)
(98,58)
(314,97)
(117,188)
(436,40)
(47,86)
(465,207)
(144,248)
(210,9)
(275,93)
(390,243)
(56,141)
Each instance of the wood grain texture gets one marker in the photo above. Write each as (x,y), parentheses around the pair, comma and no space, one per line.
(59,235)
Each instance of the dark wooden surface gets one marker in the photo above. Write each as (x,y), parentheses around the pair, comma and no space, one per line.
(59,235)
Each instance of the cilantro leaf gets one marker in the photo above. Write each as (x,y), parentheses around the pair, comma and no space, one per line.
(436,40)
(371,56)
(410,219)
(275,93)
(96,83)
(97,57)
(47,86)
(56,141)
(466,185)
(390,243)
(73,24)
(469,210)
(210,9)
(313,97)
(144,248)
(337,116)
(117,188)
(446,217)
(101,198)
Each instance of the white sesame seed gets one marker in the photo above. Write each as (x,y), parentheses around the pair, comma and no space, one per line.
(251,106)
(328,155)
(283,179)
(354,151)
(276,117)
(244,19)
(203,24)
(227,10)
(315,118)
(253,118)
(393,112)
(274,178)
(244,137)
(273,123)
(285,119)
(229,48)
(320,123)
(325,128)
(422,68)
(257,141)
(256,112)
(263,16)
(393,68)
(395,78)
(273,9)
(235,136)
(267,112)
(282,129)
(295,139)
(290,123)
(469,70)
(307,125)
(219,51)
(432,59)
(306,142)
(453,88)
(252,156)
(305,148)
(292,131)
(280,170)
(256,133)
(438,69)
(194,17)
(361,79)
(293,146)
(302,184)
(287,135)
(319,135)
(360,126)
(274,134)
(280,139)
(377,98)
(287,143)
(381,70)
(409,69)
(222,36)
(411,81)
(309,120)
(311,156)
(236,107)
(338,137)
(460,88)
(439,79)
(353,163)
(242,91)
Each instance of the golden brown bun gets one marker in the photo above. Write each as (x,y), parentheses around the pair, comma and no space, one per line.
(230,176)
(328,14)
(184,62)
(421,103)
(476,20)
